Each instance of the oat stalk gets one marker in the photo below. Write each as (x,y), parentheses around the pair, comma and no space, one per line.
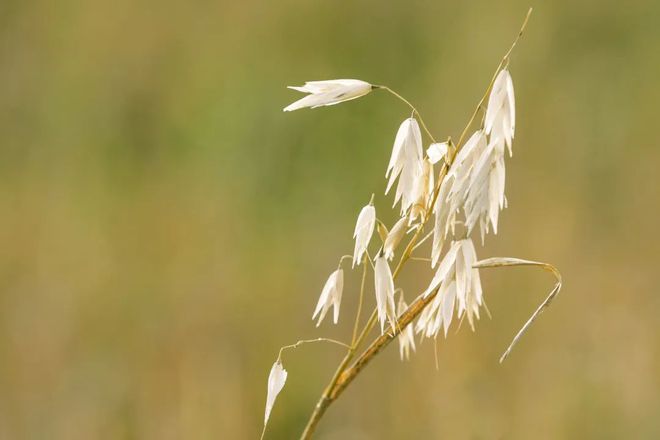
(467,192)
(346,373)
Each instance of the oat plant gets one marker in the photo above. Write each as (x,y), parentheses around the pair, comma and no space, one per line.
(459,203)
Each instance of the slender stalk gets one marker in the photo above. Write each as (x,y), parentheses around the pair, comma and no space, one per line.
(310,341)
(325,400)
(426,260)
(412,107)
(359,309)
(381,342)
(503,262)
(421,242)
(328,395)
(505,60)
(344,375)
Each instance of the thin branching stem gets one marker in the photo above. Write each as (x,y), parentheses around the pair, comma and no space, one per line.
(360,301)
(330,392)
(503,63)
(326,399)
(421,242)
(310,341)
(504,262)
(344,257)
(298,344)
(412,107)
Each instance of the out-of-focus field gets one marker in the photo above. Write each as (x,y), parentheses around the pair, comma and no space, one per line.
(165,228)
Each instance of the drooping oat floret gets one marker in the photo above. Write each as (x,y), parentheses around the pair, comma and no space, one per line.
(329,92)
(454,190)
(394,237)
(459,289)
(276,380)
(462,167)
(437,151)
(330,296)
(384,287)
(485,197)
(407,335)
(422,192)
(364,229)
(445,217)
(405,163)
(501,112)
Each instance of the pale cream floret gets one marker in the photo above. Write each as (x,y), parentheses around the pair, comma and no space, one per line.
(459,290)
(437,152)
(500,121)
(329,92)
(384,287)
(407,335)
(394,237)
(330,296)
(364,229)
(276,380)
(422,191)
(405,163)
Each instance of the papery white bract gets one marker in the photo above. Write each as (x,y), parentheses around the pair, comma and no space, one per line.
(463,165)
(436,152)
(276,380)
(474,185)
(468,283)
(384,287)
(330,296)
(445,268)
(405,163)
(422,192)
(407,335)
(445,217)
(364,229)
(459,288)
(439,312)
(500,119)
(394,237)
(329,92)
(485,197)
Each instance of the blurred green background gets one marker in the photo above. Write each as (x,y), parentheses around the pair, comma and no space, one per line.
(165,227)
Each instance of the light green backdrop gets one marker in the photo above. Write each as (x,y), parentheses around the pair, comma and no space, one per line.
(165,228)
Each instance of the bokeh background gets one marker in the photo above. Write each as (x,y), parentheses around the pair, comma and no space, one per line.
(165,227)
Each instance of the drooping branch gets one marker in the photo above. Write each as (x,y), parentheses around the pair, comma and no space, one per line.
(507,261)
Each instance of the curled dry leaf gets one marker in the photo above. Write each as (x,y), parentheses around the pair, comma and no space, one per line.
(508,261)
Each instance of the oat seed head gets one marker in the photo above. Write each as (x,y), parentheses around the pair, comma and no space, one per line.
(364,229)
(467,194)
